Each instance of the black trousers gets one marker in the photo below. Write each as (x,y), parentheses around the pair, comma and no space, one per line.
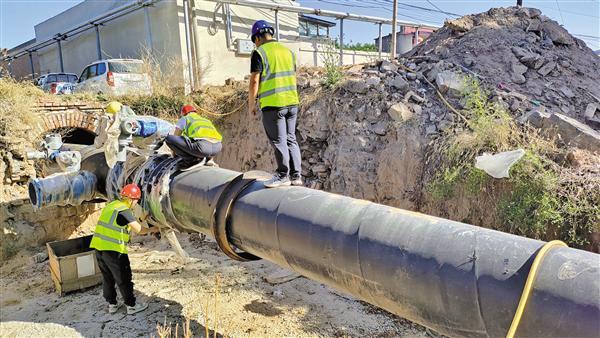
(280,127)
(192,150)
(116,269)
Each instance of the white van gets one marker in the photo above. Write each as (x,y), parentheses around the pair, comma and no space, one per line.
(115,77)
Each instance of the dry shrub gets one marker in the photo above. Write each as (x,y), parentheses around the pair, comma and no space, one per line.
(16,101)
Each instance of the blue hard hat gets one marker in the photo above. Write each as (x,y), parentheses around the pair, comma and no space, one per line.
(260,27)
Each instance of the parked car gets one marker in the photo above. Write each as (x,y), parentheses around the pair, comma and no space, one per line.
(57,83)
(115,76)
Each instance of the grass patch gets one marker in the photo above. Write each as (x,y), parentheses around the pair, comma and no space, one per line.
(542,199)
(331,61)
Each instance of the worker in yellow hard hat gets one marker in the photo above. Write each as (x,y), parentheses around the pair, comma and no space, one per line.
(113,107)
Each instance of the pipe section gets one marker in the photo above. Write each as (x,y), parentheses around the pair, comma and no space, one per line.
(62,189)
(458,279)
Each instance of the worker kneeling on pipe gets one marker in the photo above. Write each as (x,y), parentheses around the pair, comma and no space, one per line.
(110,240)
(196,139)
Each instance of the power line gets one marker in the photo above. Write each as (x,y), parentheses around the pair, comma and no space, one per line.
(425,8)
(561,16)
(587,36)
(434,6)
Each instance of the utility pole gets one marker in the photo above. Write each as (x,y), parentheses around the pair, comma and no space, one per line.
(519,3)
(394,24)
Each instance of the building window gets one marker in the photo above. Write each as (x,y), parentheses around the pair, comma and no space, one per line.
(314,27)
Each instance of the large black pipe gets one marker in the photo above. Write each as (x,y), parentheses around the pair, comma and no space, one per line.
(456,278)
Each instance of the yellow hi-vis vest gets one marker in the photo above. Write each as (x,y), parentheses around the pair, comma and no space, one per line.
(278,79)
(108,235)
(197,126)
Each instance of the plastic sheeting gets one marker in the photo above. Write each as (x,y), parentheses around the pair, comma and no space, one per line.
(62,189)
(498,165)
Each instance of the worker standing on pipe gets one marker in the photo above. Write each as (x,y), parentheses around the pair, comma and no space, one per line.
(110,240)
(195,139)
(273,80)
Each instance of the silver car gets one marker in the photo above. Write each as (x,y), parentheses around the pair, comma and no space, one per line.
(57,83)
(115,77)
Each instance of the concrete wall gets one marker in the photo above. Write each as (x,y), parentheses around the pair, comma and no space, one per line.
(313,52)
(124,37)
(212,52)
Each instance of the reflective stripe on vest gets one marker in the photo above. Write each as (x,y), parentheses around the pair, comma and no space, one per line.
(278,78)
(197,126)
(108,235)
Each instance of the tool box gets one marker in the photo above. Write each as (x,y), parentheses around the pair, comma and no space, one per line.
(73,264)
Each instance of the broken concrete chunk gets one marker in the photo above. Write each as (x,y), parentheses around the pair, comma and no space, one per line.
(518,78)
(571,131)
(356,86)
(319,168)
(379,128)
(534,13)
(431,129)
(590,111)
(411,76)
(536,118)
(372,81)
(388,66)
(575,133)
(450,82)
(519,52)
(400,112)
(399,83)
(518,68)
(547,68)
(567,92)
(532,60)
(463,24)
(411,95)
(557,34)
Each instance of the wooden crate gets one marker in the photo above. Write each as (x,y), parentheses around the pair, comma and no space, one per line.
(73,264)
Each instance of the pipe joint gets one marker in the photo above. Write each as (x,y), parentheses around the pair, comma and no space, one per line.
(222,210)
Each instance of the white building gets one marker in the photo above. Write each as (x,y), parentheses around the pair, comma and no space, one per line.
(218,47)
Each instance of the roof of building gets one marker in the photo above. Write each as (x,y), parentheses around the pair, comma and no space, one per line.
(312,19)
(22,46)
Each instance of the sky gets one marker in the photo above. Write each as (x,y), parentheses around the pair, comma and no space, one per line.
(18,17)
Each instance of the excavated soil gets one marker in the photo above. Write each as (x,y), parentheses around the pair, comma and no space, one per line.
(246,305)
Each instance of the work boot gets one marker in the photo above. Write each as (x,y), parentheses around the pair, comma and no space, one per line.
(297,181)
(277,181)
(113,308)
(138,307)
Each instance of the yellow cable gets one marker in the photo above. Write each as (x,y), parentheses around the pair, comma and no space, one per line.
(529,285)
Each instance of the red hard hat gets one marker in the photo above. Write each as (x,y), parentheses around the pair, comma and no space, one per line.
(187,109)
(132,191)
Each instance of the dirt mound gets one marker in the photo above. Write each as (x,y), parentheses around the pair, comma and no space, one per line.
(524,51)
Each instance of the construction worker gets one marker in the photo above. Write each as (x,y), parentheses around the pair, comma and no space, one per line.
(110,241)
(195,139)
(273,81)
